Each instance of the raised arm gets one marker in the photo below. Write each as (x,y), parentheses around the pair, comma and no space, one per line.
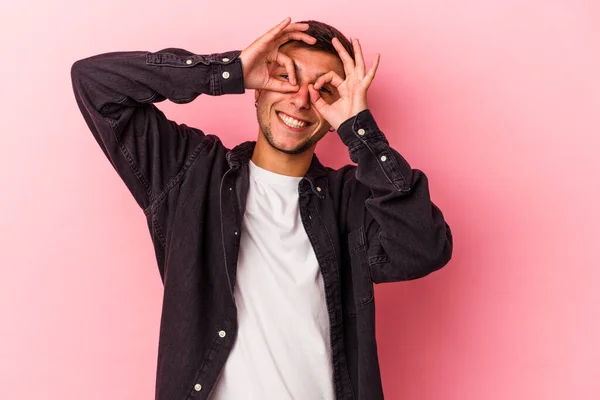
(115,93)
(406,234)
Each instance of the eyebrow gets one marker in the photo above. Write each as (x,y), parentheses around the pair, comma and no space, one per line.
(298,69)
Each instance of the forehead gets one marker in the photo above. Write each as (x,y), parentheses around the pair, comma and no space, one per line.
(313,63)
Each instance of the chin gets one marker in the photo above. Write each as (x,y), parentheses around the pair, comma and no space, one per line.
(288,146)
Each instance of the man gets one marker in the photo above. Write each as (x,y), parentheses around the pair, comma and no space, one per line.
(267,257)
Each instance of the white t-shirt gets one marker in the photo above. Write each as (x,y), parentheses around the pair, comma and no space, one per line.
(282,350)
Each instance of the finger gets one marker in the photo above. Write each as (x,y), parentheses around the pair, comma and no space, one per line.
(358,58)
(280,86)
(296,26)
(371,74)
(286,37)
(276,30)
(346,59)
(316,98)
(287,62)
(330,77)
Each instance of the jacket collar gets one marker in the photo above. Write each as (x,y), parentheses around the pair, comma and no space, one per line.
(316,175)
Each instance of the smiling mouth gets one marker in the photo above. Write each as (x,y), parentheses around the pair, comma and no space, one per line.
(292,123)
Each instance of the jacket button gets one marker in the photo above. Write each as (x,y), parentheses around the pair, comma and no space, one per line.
(383,158)
(226,75)
(222,333)
(197,387)
(318,189)
(188,62)
(225,59)
(361,131)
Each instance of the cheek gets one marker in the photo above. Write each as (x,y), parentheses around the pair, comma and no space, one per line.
(263,105)
(268,99)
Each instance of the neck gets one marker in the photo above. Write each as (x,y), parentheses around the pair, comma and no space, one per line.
(266,157)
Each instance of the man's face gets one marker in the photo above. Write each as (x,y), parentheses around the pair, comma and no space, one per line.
(288,121)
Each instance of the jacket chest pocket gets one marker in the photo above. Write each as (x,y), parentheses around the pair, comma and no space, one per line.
(362,285)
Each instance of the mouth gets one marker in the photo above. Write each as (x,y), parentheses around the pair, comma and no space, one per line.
(293,124)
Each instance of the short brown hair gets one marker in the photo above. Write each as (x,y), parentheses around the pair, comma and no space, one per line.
(323,33)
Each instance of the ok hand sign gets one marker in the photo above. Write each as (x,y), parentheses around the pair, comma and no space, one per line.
(265,50)
(352,90)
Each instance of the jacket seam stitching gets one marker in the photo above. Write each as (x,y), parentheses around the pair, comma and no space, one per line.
(203,367)
(117,135)
(155,202)
(378,259)
(383,168)
(380,137)
(363,247)
(159,232)
(132,164)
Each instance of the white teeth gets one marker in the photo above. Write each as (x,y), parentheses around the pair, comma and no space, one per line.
(291,122)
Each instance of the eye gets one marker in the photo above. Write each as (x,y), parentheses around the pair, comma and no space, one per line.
(323,89)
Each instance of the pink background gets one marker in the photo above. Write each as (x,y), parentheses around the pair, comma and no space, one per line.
(498,101)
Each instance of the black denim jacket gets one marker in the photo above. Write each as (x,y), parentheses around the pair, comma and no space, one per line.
(373,222)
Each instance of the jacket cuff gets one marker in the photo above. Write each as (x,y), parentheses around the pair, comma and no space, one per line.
(218,73)
(360,129)
(228,75)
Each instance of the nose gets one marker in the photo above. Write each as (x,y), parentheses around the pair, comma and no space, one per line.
(301,99)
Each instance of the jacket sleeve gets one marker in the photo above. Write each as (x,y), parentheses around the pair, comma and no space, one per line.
(406,234)
(115,93)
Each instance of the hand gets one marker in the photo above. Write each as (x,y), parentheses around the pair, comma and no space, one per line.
(352,90)
(257,57)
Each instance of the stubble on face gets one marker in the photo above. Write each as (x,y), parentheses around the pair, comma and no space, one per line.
(310,65)
(264,121)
